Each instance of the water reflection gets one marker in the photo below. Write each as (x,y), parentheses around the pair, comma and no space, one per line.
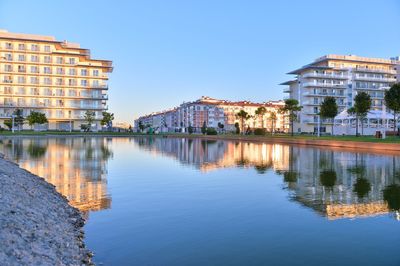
(335,184)
(76,166)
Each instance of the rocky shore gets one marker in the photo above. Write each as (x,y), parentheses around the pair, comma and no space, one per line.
(37,225)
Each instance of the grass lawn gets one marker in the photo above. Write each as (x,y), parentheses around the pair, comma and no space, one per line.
(390,139)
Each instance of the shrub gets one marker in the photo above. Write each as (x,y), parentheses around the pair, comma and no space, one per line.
(260,131)
(237,128)
(190,129)
(211,131)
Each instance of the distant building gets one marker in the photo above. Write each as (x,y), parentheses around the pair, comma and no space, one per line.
(214,112)
(58,78)
(340,76)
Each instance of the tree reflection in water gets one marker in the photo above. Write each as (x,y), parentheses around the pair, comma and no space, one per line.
(36,151)
(328,178)
(362,187)
(391,194)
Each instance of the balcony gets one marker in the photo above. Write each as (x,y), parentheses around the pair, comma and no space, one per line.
(323,85)
(391,80)
(321,94)
(372,70)
(331,76)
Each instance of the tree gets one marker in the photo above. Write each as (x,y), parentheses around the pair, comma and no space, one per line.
(362,105)
(8,123)
(243,116)
(392,101)
(141,126)
(204,128)
(107,120)
(190,129)
(36,118)
(273,117)
(89,117)
(221,126)
(18,120)
(329,109)
(237,128)
(260,112)
(291,107)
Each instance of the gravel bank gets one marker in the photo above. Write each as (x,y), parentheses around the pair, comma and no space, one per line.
(37,226)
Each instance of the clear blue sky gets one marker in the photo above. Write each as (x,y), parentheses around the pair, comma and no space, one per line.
(166,52)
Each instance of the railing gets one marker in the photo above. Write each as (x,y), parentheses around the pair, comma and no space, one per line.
(375,79)
(315,75)
(373,70)
(327,85)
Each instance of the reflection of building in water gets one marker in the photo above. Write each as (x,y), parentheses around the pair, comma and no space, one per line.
(75,166)
(207,155)
(336,184)
(341,184)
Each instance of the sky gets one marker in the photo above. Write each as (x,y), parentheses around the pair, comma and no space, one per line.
(168,51)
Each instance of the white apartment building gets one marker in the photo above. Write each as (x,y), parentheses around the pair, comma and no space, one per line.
(340,76)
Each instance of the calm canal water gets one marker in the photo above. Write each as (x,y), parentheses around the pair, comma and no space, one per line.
(159,201)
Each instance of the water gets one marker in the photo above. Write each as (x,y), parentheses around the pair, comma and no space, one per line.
(159,201)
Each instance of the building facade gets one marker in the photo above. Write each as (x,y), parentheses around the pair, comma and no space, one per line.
(58,78)
(340,76)
(214,113)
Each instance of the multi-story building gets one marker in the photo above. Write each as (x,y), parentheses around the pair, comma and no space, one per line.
(58,78)
(214,112)
(340,76)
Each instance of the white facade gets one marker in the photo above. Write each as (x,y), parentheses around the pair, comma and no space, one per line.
(341,77)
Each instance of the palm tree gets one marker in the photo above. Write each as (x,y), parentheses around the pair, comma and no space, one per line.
(260,112)
(291,107)
(273,117)
(243,116)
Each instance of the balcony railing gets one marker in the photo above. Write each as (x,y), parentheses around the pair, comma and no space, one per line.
(373,70)
(325,85)
(333,76)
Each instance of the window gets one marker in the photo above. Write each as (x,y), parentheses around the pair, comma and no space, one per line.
(60,71)
(8,68)
(83,82)
(21,69)
(34,69)
(47,81)
(47,70)
(21,79)
(8,57)
(72,71)
(47,48)
(34,58)
(72,61)
(21,58)
(21,46)
(83,72)
(71,82)
(47,59)
(59,60)
(96,73)
(9,45)
(35,47)
(34,80)
(59,81)
(95,83)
